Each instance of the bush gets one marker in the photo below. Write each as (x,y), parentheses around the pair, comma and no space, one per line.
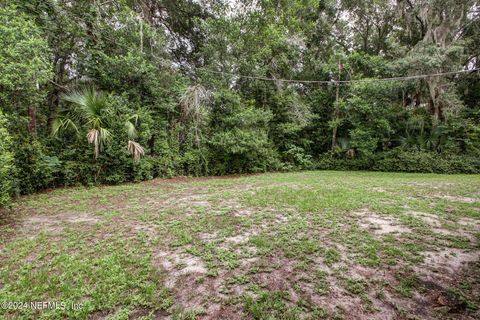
(332,161)
(412,161)
(195,162)
(165,165)
(36,169)
(6,164)
(404,161)
(77,173)
(296,158)
(143,169)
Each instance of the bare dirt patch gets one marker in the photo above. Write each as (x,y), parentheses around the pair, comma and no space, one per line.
(384,225)
(455,198)
(55,224)
(242,212)
(193,289)
(240,238)
(379,224)
(204,236)
(470,223)
(176,264)
(187,199)
(378,189)
(464,227)
(431,219)
(431,185)
(447,262)
(149,230)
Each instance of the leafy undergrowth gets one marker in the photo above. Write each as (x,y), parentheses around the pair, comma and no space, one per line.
(310,245)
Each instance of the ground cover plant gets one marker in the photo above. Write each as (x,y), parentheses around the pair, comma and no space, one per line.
(307,245)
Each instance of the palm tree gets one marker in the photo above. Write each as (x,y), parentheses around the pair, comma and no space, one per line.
(91,112)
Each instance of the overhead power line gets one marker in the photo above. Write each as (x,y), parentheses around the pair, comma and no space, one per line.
(403,78)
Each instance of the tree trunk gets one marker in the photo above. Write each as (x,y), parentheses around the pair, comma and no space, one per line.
(55,93)
(336,111)
(151,144)
(32,125)
(436,109)
(434,102)
(417,98)
(52,107)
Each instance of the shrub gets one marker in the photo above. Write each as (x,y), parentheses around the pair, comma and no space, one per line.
(297,158)
(404,161)
(195,162)
(165,165)
(329,162)
(6,164)
(411,161)
(36,169)
(77,173)
(143,169)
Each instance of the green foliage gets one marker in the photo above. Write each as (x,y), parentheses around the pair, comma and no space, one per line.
(297,157)
(363,141)
(271,305)
(92,112)
(195,162)
(36,169)
(7,167)
(404,161)
(24,64)
(426,162)
(24,53)
(157,99)
(239,141)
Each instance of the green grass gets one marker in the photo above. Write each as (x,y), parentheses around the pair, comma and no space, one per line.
(272,246)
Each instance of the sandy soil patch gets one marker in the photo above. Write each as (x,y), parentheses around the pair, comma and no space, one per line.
(447,262)
(55,224)
(176,264)
(380,224)
(455,198)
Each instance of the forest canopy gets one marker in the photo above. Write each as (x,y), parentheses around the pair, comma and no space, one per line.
(104,91)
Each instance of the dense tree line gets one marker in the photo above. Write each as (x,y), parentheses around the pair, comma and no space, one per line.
(98,91)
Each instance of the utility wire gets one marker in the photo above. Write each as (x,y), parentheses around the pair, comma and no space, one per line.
(404,78)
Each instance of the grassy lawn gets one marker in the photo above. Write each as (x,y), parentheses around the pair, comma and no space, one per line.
(309,245)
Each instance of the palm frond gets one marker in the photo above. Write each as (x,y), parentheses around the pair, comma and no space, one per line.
(90,111)
(130,126)
(105,135)
(62,124)
(90,102)
(135,149)
(96,101)
(98,137)
(93,137)
(76,97)
(133,117)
